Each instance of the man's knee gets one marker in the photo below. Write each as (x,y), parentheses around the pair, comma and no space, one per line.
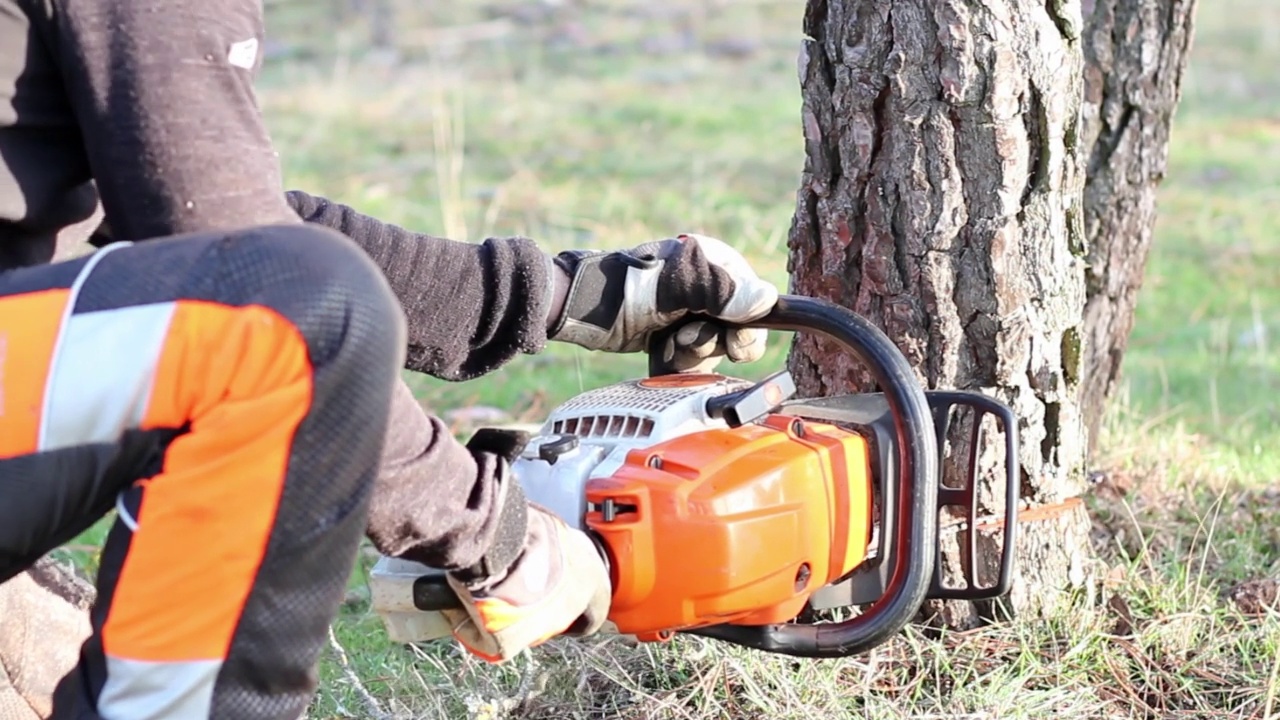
(326,286)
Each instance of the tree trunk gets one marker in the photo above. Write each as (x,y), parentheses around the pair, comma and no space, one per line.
(1136,53)
(941,198)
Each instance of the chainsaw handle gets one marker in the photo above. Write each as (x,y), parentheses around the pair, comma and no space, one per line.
(917,497)
(656,346)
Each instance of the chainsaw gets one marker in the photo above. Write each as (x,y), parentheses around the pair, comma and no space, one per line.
(732,510)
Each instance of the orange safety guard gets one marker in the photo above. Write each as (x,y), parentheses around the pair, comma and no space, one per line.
(733,525)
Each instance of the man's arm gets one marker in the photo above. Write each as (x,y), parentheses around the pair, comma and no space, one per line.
(470,307)
(436,502)
(497,289)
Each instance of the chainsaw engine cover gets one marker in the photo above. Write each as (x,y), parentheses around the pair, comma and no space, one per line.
(735,525)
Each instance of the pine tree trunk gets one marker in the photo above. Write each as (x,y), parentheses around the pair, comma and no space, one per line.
(1136,53)
(941,197)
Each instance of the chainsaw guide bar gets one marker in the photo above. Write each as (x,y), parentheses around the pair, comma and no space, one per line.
(731,510)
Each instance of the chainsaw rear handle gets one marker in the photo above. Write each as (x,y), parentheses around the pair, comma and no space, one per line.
(917,498)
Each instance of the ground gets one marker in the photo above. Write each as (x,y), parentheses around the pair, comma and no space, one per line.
(606,124)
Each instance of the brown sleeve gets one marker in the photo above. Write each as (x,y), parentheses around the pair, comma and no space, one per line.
(436,502)
(471,307)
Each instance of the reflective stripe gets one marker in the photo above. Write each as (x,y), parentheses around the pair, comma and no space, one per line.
(102,374)
(102,368)
(145,690)
(123,513)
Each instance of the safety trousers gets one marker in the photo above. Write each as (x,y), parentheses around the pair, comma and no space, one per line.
(227,396)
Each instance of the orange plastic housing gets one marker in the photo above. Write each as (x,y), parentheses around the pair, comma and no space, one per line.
(732,526)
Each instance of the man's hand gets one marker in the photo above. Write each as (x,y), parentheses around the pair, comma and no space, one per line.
(558,585)
(617,300)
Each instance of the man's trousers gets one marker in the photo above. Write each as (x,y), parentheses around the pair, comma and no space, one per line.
(227,395)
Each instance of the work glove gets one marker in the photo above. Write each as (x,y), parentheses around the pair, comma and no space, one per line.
(617,300)
(558,585)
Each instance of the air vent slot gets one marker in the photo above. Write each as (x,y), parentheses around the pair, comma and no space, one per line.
(622,427)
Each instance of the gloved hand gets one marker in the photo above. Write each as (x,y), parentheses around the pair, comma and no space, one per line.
(557,585)
(616,300)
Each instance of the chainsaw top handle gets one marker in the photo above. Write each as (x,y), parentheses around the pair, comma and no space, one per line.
(917,501)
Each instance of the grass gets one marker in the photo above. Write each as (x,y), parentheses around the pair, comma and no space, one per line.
(608,124)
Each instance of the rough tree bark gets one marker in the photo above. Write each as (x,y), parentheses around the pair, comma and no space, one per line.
(941,197)
(957,173)
(1136,54)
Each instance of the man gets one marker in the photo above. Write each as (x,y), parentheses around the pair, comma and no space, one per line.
(223,372)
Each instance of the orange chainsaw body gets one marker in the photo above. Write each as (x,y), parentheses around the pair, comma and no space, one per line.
(737,525)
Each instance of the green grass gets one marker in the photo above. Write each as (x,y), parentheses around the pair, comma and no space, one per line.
(1204,345)
(607,141)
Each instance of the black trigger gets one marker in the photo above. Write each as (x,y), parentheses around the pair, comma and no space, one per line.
(503,442)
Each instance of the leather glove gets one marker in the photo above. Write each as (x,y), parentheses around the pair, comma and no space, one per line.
(617,300)
(558,585)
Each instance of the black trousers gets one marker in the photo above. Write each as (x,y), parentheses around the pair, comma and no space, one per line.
(228,395)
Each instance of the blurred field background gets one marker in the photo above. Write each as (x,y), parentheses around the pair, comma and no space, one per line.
(611,122)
